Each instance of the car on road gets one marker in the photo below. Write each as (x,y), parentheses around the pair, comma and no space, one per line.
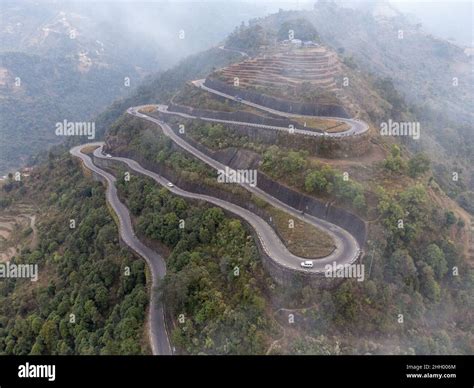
(169,184)
(307,264)
(238,98)
(108,155)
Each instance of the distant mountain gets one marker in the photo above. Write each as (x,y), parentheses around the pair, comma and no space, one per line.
(36,92)
(434,76)
(410,266)
(68,61)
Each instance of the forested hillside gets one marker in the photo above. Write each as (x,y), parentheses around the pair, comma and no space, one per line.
(215,280)
(38,92)
(84,301)
(418,271)
(432,77)
(69,61)
(92,295)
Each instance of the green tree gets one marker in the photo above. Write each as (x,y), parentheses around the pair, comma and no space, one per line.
(428,285)
(293,162)
(450,218)
(394,161)
(315,181)
(418,165)
(49,334)
(359,202)
(434,257)
(400,268)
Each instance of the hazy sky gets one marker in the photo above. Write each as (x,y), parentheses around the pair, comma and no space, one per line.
(449,19)
(446,19)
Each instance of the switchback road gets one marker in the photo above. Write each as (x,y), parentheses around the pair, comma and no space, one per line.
(159,341)
(356,127)
(347,249)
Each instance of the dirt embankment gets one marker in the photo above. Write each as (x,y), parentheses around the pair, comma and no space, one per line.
(17,231)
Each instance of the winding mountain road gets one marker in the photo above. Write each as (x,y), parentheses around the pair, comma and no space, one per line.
(356,126)
(347,248)
(159,340)
(345,252)
(346,245)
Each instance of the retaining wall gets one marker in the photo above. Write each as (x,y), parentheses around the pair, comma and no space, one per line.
(336,215)
(239,116)
(277,103)
(326,211)
(330,147)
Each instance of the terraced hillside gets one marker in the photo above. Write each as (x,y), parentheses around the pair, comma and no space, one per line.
(288,67)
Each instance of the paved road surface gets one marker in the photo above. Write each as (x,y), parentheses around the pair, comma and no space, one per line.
(346,252)
(244,54)
(356,127)
(157,328)
(347,248)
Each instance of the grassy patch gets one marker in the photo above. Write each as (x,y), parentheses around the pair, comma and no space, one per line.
(89,150)
(323,124)
(303,239)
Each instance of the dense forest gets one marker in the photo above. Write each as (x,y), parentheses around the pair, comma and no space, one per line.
(38,92)
(412,273)
(91,295)
(215,285)
(417,297)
